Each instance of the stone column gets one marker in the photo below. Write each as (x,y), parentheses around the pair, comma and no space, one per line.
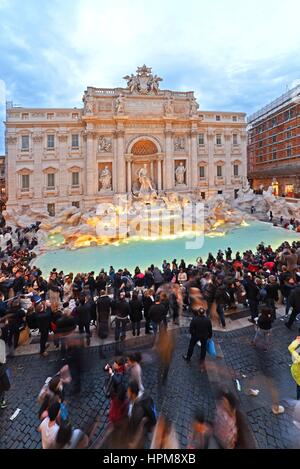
(188,163)
(11,175)
(64,178)
(194,159)
(159,162)
(151,169)
(38,175)
(121,169)
(211,162)
(243,143)
(228,166)
(90,163)
(129,183)
(168,174)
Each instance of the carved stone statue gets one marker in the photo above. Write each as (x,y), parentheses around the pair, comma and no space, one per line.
(88,105)
(132,82)
(153,83)
(179,174)
(145,181)
(104,144)
(169,107)
(246,188)
(105,179)
(143,82)
(120,104)
(193,107)
(179,143)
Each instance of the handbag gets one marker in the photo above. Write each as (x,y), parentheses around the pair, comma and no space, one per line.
(211,349)
(24,336)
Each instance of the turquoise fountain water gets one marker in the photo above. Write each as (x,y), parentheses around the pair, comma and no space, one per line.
(143,253)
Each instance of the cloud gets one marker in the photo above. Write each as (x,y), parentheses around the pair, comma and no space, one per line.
(232,56)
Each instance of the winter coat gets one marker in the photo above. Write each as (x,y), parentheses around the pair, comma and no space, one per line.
(136,310)
(201,328)
(294,298)
(147,303)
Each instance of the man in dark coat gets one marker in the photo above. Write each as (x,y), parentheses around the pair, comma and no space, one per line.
(294,300)
(84,317)
(43,316)
(103,311)
(122,311)
(200,329)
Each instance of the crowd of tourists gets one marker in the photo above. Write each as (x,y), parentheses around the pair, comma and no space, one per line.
(65,307)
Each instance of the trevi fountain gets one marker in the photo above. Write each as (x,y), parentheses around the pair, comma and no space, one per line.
(148,226)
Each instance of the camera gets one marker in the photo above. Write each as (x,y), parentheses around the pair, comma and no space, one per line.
(107,367)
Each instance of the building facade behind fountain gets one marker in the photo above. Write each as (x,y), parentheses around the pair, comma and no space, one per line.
(124,140)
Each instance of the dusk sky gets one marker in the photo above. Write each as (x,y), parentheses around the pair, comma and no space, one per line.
(236,56)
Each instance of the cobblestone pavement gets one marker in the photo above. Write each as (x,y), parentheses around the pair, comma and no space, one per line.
(186,389)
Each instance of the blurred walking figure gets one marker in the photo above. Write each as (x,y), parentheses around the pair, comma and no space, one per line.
(202,436)
(164,347)
(164,435)
(230,427)
(264,326)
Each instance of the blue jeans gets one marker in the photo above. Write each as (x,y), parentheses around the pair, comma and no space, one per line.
(120,330)
(220,311)
(253,305)
(155,326)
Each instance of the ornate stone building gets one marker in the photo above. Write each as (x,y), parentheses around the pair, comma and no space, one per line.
(62,157)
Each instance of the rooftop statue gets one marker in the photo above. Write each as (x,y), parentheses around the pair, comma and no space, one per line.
(143,82)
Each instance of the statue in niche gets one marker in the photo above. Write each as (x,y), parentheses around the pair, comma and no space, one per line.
(105,179)
(169,107)
(145,181)
(120,104)
(179,174)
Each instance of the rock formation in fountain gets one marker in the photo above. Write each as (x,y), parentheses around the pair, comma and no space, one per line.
(82,229)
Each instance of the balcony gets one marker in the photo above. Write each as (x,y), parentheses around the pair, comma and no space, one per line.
(202,150)
(219,150)
(75,190)
(25,193)
(219,180)
(50,191)
(236,179)
(203,181)
(236,149)
(25,155)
